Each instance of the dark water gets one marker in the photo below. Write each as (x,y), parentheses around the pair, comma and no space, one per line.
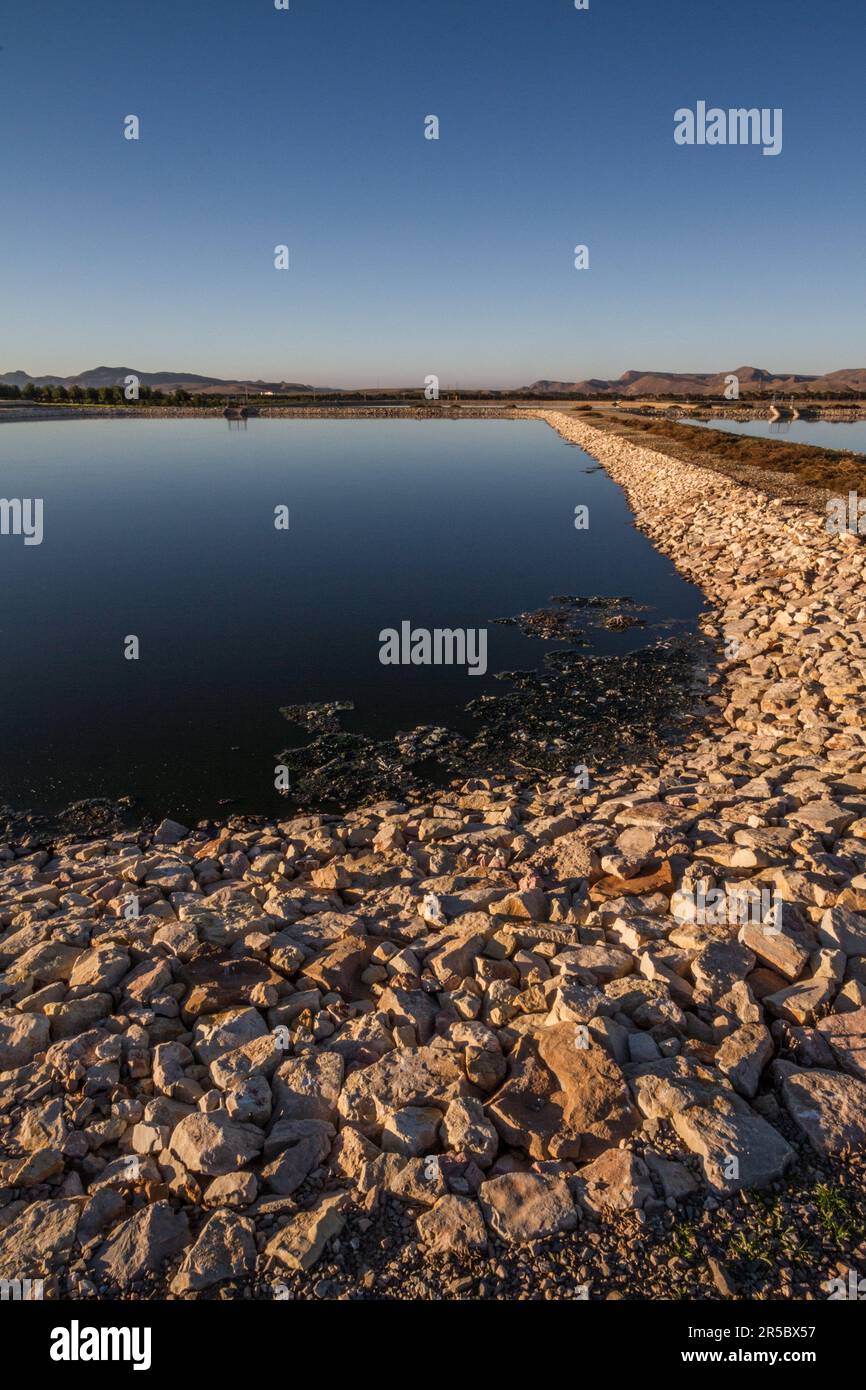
(165,530)
(828,434)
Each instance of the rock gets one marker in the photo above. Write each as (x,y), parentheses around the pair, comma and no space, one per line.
(613,885)
(217,985)
(843,929)
(43,1126)
(776,949)
(340,967)
(417,1180)
(261,1056)
(351,1155)
(22,1037)
(411,1131)
(232,1190)
(676,1180)
(100,969)
(214,1144)
(169,832)
(485,1068)
(47,963)
(562,1100)
(530,905)
(824,817)
(225,1249)
(572,1002)
(412,1008)
(452,960)
(452,1225)
(737,1148)
(216,1034)
(829,1108)
(70,1019)
(101,1210)
(36,1168)
(466,1130)
(416,1076)
(604,962)
(301,1242)
(141,1245)
(616,1181)
(250,1102)
(719,965)
(520,1207)
(721,1278)
(743,1056)
(42,1234)
(299,1146)
(802,1003)
(308,1087)
(846,1036)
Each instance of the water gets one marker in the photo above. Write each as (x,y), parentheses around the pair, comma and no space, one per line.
(164,529)
(829,434)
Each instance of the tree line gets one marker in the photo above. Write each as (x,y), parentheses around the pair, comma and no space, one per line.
(102,395)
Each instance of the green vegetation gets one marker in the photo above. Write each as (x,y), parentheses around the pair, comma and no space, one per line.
(684,1240)
(102,395)
(767,1236)
(840,1217)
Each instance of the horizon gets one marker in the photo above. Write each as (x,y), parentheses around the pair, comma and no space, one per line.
(410,256)
(237,379)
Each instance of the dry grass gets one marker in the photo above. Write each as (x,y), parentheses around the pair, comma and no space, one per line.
(801,472)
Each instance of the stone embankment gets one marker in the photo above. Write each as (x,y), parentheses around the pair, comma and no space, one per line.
(453,1046)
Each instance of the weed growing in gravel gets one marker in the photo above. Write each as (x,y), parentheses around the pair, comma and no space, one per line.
(768,1238)
(684,1240)
(840,1218)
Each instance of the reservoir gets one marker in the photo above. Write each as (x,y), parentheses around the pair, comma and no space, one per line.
(165,531)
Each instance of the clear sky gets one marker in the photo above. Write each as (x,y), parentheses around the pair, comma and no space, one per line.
(411,256)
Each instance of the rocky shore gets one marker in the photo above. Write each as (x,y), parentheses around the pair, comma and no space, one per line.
(535,1039)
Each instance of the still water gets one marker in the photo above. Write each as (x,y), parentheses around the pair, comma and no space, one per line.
(828,434)
(164,530)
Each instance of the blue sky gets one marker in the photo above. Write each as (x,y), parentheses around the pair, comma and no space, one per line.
(411,256)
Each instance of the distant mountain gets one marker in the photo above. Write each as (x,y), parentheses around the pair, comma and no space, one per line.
(751,379)
(631,384)
(165,381)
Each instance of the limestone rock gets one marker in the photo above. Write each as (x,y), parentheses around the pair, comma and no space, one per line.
(520,1207)
(562,1099)
(829,1107)
(214,1144)
(141,1245)
(411,1130)
(418,1076)
(225,1249)
(846,1035)
(300,1243)
(453,1225)
(616,1181)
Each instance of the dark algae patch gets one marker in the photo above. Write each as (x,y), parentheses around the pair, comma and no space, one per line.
(575,709)
(570,617)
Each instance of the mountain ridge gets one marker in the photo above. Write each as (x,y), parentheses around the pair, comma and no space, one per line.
(632,383)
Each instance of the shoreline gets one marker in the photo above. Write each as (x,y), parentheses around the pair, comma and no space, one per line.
(431,967)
